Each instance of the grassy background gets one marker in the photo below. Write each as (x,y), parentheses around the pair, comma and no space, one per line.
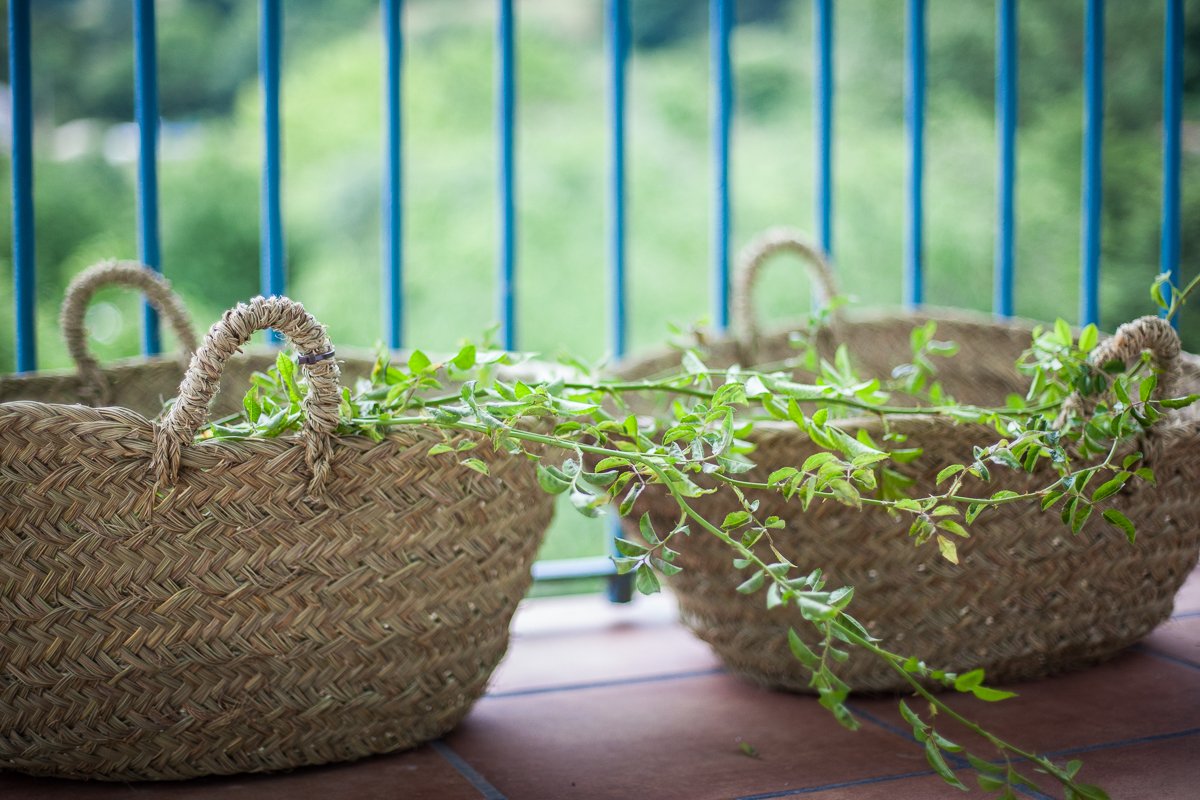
(333,162)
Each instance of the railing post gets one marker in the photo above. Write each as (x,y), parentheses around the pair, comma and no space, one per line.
(720,25)
(393,190)
(146,100)
(914,278)
(1169,247)
(823,97)
(1093,168)
(24,264)
(620,587)
(272,275)
(505,118)
(1006,136)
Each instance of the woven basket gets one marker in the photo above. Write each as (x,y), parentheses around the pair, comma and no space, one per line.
(1028,599)
(171,609)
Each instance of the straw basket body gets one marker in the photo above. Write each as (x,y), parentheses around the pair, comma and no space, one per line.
(1028,599)
(171,609)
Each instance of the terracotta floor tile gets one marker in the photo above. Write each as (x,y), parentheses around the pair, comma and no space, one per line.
(673,739)
(925,787)
(1179,639)
(1163,770)
(1132,696)
(417,774)
(581,641)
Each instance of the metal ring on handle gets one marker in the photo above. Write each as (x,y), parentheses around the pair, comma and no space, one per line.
(93,388)
(203,381)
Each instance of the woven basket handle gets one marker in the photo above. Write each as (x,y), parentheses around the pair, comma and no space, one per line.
(749,264)
(203,381)
(1145,334)
(93,388)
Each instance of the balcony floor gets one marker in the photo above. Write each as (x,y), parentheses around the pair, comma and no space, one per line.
(600,701)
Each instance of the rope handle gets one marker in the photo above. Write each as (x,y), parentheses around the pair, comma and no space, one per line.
(749,264)
(1144,334)
(93,387)
(203,381)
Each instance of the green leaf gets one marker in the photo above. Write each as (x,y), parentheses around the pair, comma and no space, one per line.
(1089,337)
(968,680)
(693,364)
(911,718)
(1179,402)
(934,756)
(647,582)
(465,358)
(287,374)
(418,362)
(1080,516)
(735,519)
(949,472)
(1156,291)
(991,695)
(953,527)
(552,480)
(1109,488)
(947,548)
(752,584)
(477,465)
(1062,332)
(1119,520)
(801,651)
(646,528)
(438,449)
(628,548)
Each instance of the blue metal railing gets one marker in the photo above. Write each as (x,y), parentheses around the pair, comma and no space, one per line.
(914,113)
(145,80)
(1093,147)
(393,187)
(722,25)
(1006,167)
(823,31)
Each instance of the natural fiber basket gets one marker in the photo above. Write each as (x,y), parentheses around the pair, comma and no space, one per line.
(1028,599)
(171,608)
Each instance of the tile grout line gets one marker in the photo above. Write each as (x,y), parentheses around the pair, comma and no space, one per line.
(472,776)
(604,684)
(831,786)
(1186,614)
(1150,651)
(1150,739)
(955,760)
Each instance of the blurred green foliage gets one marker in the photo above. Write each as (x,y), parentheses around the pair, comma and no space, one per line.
(333,161)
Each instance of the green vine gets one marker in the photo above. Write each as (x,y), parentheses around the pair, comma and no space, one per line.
(612,455)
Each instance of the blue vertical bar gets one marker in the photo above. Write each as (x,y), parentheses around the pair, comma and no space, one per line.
(1169,248)
(1093,142)
(393,196)
(720,24)
(914,281)
(620,587)
(1006,136)
(272,279)
(505,113)
(823,12)
(145,63)
(22,184)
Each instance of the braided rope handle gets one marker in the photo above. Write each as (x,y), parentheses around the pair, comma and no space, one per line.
(157,290)
(1144,334)
(203,381)
(749,265)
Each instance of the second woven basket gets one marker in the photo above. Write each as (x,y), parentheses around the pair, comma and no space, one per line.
(1028,599)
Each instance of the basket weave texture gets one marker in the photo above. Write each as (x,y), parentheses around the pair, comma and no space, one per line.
(1027,600)
(170,609)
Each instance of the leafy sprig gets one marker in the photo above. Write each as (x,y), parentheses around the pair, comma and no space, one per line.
(1076,419)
